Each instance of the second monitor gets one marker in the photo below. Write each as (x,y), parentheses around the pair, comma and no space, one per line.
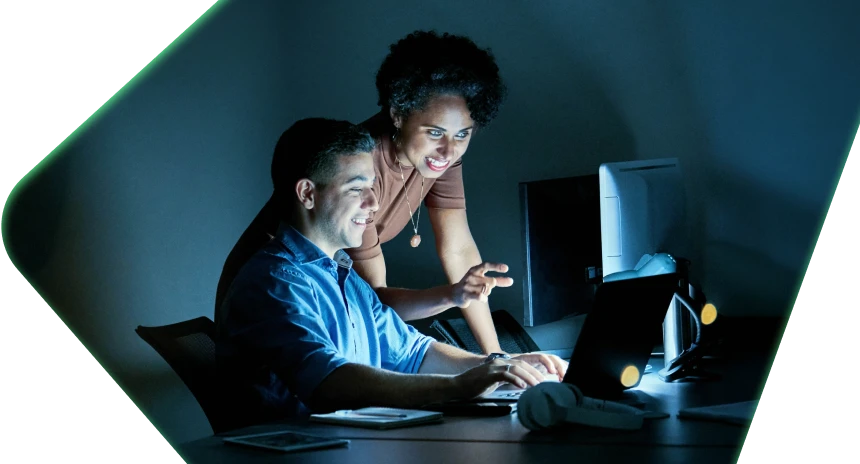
(560,226)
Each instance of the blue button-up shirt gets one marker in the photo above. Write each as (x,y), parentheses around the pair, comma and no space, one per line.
(292,316)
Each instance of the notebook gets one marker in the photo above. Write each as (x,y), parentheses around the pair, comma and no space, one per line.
(733,413)
(617,334)
(378,418)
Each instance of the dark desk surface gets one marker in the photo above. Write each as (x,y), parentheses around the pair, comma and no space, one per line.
(212,451)
(504,439)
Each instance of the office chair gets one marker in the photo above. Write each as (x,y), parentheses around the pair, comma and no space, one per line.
(512,337)
(189,349)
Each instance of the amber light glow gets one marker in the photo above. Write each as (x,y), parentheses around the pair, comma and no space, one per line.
(629,376)
(709,314)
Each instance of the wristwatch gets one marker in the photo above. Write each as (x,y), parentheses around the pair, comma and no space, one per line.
(493,356)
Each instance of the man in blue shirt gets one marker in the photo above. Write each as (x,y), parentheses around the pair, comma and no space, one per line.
(299,331)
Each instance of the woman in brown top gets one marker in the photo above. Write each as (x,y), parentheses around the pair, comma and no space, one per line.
(435,92)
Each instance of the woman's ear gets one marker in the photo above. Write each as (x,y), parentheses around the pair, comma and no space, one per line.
(395,118)
(306,193)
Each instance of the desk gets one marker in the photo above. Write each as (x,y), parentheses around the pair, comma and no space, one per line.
(504,439)
(427,452)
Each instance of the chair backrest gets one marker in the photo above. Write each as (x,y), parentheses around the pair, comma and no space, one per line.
(512,336)
(189,348)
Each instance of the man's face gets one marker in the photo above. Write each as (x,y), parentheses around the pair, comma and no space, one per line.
(345,204)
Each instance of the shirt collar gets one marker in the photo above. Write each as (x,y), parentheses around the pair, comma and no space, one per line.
(306,251)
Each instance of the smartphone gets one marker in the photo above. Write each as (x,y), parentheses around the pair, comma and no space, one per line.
(286,441)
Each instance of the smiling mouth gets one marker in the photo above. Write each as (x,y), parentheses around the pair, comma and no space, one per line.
(436,165)
(362,221)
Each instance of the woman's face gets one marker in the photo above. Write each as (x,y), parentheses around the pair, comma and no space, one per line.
(434,138)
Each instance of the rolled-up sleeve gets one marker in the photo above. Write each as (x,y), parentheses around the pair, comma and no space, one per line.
(281,327)
(402,346)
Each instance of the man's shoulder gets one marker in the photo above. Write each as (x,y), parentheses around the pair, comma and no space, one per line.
(272,262)
(363,288)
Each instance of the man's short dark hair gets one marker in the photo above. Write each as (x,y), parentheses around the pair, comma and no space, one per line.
(309,150)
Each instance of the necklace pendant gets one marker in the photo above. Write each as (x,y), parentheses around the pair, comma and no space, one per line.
(416,240)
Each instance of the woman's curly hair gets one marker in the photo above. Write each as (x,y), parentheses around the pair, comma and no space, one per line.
(424,64)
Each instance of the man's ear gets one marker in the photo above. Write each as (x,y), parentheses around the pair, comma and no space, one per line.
(306,192)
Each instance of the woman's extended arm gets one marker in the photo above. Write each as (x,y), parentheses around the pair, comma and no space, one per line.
(462,264)
(409,304)
(462,261)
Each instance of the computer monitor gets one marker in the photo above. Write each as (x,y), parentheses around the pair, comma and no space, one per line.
(560,226)
(642,211)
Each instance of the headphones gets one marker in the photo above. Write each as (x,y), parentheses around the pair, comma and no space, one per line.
(550,404)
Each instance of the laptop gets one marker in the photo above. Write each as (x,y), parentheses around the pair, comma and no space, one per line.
(620,331)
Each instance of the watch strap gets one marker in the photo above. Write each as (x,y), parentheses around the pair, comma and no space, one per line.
(493,356)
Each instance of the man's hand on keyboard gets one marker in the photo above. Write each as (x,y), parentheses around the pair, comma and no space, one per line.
(487,377)
(550,365)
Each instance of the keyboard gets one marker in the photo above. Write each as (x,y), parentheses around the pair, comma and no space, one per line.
(510,392)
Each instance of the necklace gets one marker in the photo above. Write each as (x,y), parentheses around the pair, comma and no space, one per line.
(416,239)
